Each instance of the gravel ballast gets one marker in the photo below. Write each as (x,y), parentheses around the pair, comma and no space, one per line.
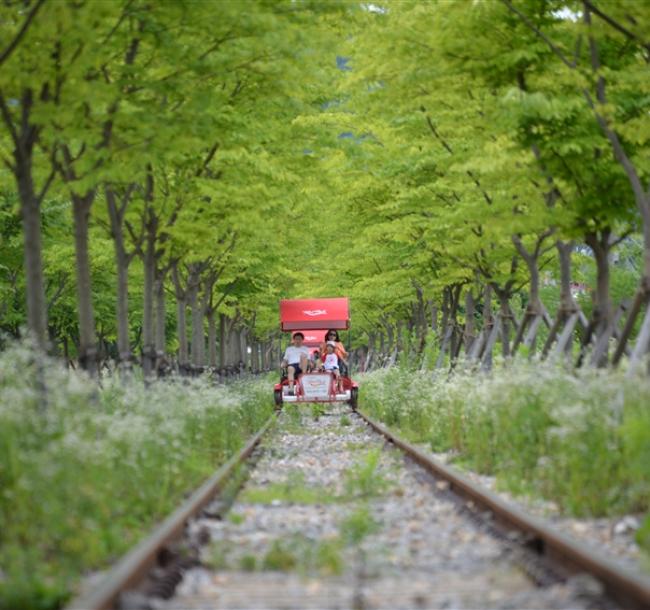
(332,517)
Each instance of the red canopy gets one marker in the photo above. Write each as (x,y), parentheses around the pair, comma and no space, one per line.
(300,314)
(313,338)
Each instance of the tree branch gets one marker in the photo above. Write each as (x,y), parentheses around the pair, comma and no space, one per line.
(119,22)
(211,153)
(541,239)
(619,151)
(539,33)
(486,196)
(46,185)
(6,116)
(618,27)
(618,240)
(11,47)
(55,297)
(435,133)
(521,249)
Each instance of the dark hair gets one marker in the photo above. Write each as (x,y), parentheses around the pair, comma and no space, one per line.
(336,332)
(297,334)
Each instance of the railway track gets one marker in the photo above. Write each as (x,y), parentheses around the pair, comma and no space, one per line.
(337,512)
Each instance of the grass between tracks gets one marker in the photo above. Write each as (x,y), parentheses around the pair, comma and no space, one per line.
(295,551)
(85,471)
(581,440)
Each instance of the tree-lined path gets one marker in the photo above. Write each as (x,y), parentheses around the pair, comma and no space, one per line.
(169,171)
(473,175)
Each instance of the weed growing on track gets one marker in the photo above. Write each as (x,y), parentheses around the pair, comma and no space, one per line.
(84,474)
(306,556)
(579,439)
(363,479)
(317,410)
(236,518)
(293,490)
(294,425)
(357,526)
(280,558)
(248,563)
(218,559)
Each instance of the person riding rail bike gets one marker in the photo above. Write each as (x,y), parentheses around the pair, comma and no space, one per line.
(333,336)
(295,359)
(331,364)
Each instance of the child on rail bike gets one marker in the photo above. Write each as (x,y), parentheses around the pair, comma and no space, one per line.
(331,363)
(333,336)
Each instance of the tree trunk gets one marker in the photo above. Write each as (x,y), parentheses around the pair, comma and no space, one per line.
(34,285)
(198,338)
(223,341)
(87,337)
(255,357)
(419,316)
(267,357)
(564,250)
(470,327)
(269,362)
(453,321)
(160,339)
(505,316)
(212,338)
(446,298)
(151,221)
(181,319)
(564,323)
(505,324)
(434,316)
(535,303)
(243,347)
(122,269)
(25,135)
(602,323)
(263,356)
(399,336)
(645,279)
(531,258)
(601,247)
(488,317)
(390,337)
(370,354)
(181,330)
(277,352)
(234,343)
(148,340)
(230,347)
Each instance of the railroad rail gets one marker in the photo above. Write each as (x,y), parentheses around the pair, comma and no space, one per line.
(135,565)
(628,588)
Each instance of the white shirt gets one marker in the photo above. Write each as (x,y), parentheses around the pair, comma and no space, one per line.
(331,362)
(292,354)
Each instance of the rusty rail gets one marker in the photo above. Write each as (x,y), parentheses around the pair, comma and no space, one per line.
(134,566)
(629,588)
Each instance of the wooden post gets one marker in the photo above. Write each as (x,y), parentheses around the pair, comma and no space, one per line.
(642,344)
(567,333)
(486,358)
(640,300)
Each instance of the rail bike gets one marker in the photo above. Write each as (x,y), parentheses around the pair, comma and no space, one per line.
(313,318)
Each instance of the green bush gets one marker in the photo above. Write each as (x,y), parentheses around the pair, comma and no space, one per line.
(85,471)
(580,439)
